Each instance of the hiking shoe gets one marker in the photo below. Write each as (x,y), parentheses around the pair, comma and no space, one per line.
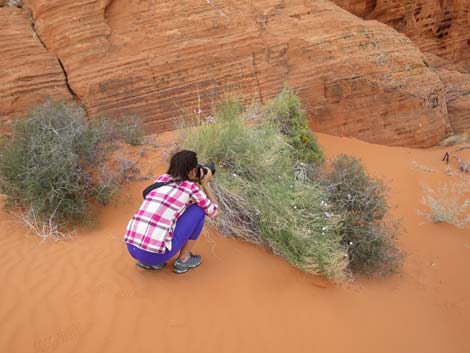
(191,262)
(153,267)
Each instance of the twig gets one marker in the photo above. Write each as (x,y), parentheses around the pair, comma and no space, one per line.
(464,167)
(42,229)
(422,167)
(462,148)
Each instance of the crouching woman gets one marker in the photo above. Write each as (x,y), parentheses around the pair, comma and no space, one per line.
(172,215)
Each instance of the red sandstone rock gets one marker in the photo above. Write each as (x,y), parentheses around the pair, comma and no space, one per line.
(156,59)
(28,73)
(441,27)
(457,87)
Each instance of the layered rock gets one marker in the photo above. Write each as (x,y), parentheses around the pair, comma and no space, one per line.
(441,27)
(457,91)
(159,59)
(28,73)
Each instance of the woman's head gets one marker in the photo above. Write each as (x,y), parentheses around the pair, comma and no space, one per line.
(182,163)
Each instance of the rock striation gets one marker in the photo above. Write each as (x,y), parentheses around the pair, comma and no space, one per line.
(28,72)
(162,59)
(457,91)
(440,27)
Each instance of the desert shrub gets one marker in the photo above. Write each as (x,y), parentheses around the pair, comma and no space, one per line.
(108,184)
(448,203)
(132,130)
(286,111)
(264,194)
(456,139)
(45,163)
(364,228)
(372,250)
(129,129)
(272,191)
(354,193)
(14,3)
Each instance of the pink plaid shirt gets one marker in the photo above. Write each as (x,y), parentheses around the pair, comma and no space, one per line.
(152,227)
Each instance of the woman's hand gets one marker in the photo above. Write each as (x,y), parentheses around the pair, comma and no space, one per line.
(206,187)
(206,177)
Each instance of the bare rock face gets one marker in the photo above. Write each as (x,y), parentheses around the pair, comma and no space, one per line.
(457,91)
(441,27)
(28,73)
(161,58)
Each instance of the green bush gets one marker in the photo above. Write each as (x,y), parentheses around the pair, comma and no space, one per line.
(44,163)
(271,191)
(264,193)
(364,228)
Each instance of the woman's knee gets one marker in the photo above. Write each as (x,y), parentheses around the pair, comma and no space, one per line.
(196,211)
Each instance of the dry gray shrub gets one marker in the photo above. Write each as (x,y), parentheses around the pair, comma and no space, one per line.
(365,228)
(47,165)
(45,229)
(449,203)
(238,216)
(456,140)
(132,130)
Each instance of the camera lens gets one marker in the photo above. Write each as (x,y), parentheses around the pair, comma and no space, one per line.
(211,166)
(202,169)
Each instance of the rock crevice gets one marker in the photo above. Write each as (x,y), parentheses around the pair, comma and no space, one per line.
(36,34)
(29,73)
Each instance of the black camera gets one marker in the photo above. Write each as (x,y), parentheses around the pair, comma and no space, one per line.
(203,168)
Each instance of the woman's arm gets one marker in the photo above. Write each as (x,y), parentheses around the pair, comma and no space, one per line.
(205,198)
(206,187)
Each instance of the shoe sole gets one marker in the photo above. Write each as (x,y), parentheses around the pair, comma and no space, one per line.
(149,267)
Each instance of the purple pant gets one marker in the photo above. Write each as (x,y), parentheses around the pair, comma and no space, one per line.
(188,227)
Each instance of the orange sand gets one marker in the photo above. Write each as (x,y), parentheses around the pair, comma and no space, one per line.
(86,294)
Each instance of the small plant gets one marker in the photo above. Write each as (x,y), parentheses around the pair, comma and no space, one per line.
(447,204)
(14,3)
(456,139)
(364,229)
(132,130)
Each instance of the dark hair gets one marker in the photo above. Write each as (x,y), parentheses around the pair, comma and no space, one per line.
(181,163)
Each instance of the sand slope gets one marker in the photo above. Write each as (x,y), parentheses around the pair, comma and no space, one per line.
(86,294)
